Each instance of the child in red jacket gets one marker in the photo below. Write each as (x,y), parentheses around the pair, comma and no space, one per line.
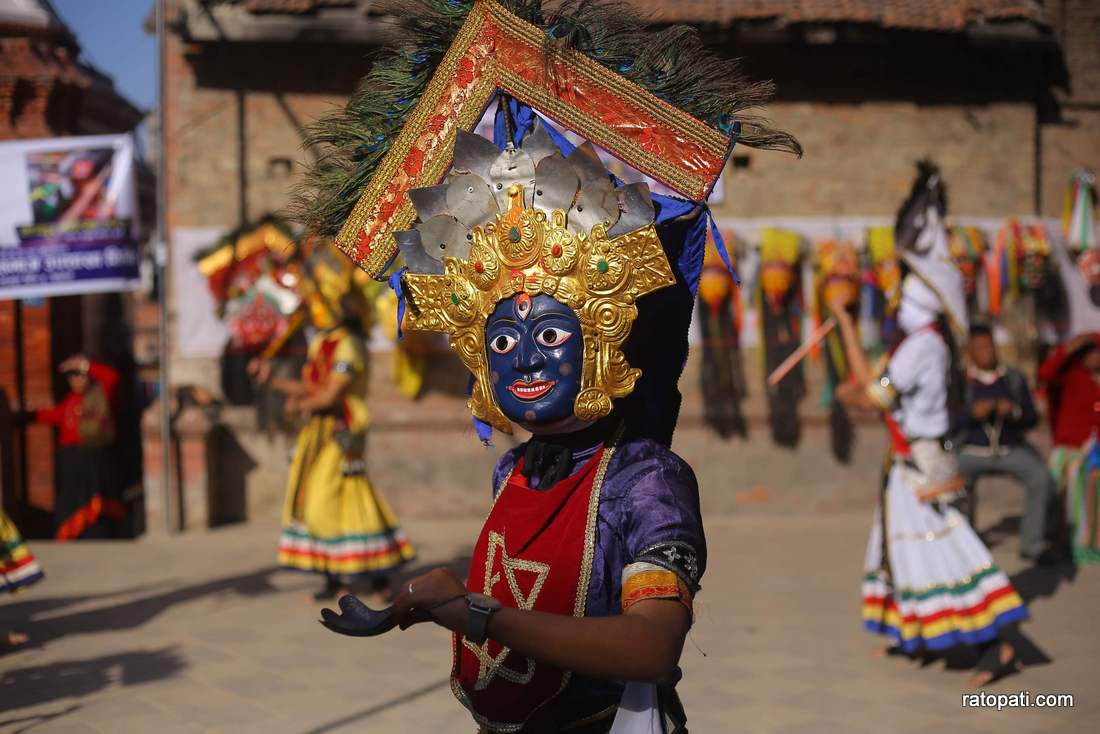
(1072,377)
(84,475)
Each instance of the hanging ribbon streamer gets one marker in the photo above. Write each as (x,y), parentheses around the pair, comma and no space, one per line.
(720,244)
(398,289)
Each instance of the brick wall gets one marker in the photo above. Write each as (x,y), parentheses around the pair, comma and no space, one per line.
(859,159)
(1073,140)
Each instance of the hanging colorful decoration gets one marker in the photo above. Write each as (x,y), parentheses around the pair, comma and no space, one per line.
(247,273)
(837,280)
(968,246)
(722,375)
(780,307)
(1079,225)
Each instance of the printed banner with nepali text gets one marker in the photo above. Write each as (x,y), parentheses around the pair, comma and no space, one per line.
(68,216)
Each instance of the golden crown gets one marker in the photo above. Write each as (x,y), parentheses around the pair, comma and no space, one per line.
(534,250)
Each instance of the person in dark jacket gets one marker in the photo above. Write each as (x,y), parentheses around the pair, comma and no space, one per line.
(998,413)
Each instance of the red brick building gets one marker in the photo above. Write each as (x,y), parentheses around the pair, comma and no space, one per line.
(1003,94)
(45,91)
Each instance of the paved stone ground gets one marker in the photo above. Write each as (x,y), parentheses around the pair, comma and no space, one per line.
(199,633)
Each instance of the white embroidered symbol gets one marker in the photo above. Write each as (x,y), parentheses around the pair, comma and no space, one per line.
(490,666)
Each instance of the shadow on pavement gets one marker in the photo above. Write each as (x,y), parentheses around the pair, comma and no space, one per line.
(38,684)
(137,612)
(379,708)
(26,723)
(1006,527)
(18,612)
(1043,581)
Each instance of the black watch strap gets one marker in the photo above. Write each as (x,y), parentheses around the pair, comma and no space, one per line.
(479,609)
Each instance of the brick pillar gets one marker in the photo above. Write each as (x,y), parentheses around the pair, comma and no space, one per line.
(38,393)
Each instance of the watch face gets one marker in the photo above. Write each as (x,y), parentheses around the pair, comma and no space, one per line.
(485,602)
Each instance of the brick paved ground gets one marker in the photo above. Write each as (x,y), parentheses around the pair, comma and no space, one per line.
(198,633)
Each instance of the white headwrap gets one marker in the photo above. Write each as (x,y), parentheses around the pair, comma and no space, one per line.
(937,287)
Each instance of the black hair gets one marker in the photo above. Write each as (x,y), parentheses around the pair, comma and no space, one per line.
(980,330)
(928,190)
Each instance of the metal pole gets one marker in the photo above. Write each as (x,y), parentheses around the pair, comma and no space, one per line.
(162,269)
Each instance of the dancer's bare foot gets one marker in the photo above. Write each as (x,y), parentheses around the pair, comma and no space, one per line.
(1006,660)
(881,651)
(15,639)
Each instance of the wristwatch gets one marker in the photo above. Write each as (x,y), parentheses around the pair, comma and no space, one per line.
(480,608)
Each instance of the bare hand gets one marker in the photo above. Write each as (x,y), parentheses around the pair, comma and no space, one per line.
(838,307)
(259,369)
(981,409)
(1005,408)
(435,597)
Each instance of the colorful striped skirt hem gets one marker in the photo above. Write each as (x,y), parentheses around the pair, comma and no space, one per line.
(18,568)
(969,613)
(360,554)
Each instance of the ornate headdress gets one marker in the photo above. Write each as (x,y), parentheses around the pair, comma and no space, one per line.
(513,222)
(526,219)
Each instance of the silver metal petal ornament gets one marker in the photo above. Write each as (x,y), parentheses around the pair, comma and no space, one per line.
(445,236)
(556,184)
(474,154)
(590,169)
(538,144)
(412,250)
(594,206)
(635,208)
(429,201)
(470,200)
(512,166)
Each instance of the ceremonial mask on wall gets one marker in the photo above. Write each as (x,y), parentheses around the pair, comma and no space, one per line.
(838,273)
(779,257)
(967,250)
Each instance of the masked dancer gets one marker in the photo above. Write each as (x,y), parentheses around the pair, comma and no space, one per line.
(568,297)
(930,583)
(334,522)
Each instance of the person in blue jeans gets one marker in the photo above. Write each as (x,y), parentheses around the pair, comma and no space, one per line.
(998,413)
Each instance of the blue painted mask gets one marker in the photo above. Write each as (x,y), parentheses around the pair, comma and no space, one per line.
(535,352)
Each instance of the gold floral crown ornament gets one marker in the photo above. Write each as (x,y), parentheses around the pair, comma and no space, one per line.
(558,228)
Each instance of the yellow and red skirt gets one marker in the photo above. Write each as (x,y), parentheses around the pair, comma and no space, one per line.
(334,522)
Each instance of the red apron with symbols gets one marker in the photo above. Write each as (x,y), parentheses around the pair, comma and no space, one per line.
(534,552)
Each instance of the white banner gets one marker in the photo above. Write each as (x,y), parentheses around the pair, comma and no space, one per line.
(68,216)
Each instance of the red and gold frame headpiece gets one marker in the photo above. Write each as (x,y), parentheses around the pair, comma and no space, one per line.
(658,101)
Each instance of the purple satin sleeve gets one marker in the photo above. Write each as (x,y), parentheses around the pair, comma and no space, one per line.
(651,495)
(505,464)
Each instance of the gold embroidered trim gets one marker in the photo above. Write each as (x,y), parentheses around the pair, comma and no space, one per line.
(930,535)
(435,166)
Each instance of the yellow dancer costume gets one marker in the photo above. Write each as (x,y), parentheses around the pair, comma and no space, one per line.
(333,521)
